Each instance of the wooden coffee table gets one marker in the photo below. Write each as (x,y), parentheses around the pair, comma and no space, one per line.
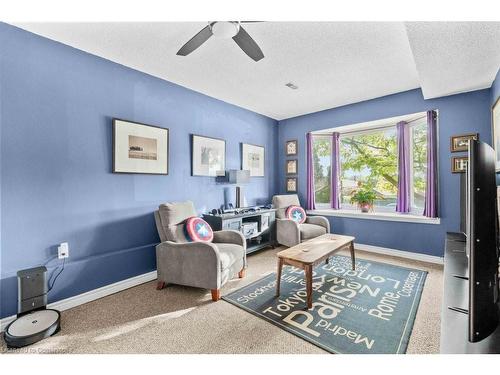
(311,253)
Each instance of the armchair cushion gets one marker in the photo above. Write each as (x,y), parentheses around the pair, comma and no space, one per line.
(308,231)
(230,236)
(319,220)
(172,216)
(173,213)
(282,202)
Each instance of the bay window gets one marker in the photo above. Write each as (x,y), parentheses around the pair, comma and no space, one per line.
(368,160)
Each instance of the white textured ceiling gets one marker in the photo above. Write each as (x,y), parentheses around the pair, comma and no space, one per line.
(333,63)
(454,57)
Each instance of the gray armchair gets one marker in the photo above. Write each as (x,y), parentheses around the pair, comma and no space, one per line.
(288,232)
(197,264)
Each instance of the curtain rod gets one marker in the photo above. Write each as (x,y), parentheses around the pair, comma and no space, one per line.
(369,129)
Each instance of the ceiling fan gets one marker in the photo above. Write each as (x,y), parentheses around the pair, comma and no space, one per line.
(224,29)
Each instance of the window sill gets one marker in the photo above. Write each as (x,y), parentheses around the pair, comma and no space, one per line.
(384,216)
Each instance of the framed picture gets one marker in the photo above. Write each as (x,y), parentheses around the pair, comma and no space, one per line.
(291,148)
(459,164)
(208,156)
(253,159)
(139,148)
(460,143)
(495,123)
(291,184)
(291,166)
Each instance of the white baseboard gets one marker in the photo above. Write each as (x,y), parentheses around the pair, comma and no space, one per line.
(91,295)
(400,253)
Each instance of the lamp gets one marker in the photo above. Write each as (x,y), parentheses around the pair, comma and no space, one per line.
(238,177)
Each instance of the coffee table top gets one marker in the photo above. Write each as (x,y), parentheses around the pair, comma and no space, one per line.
(318,248)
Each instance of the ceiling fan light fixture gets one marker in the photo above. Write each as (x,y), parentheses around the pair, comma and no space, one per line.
(225,29)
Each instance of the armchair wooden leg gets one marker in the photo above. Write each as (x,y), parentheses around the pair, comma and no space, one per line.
(215,294)
(160,285)
(241,274)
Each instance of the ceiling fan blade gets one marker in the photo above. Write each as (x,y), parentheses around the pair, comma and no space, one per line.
(248,45)
(195,41)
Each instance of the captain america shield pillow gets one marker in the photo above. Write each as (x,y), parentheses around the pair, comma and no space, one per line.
(198,230)
(296,213)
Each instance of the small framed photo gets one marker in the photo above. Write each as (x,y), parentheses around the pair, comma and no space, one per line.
(459,164)
(139,148)
(291,148)
(291,167)
(291,184)
(459,143)
(253,159)
(495,123)
(208,156)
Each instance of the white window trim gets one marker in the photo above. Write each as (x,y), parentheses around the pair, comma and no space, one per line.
(383,216)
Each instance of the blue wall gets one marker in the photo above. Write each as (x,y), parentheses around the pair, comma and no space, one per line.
(55,146)
(495,89)
(56,182)
(457,114)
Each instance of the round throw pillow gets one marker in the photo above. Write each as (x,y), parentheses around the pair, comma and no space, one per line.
(198,230)
(296,213)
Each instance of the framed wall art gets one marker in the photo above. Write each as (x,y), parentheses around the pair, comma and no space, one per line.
(459,143)
(291,166)
(495,123)
(291,184)
(208,156)
(139,148)
(291,148)
(459,164)
(253,159)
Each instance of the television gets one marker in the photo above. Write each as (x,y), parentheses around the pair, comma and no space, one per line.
(463,204)
(482,241)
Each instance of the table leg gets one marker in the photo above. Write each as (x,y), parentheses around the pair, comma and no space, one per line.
(278,280)
(326,260)
(308,276)
(353,258)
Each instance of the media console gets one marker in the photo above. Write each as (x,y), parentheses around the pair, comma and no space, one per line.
(257,225)
(454,324)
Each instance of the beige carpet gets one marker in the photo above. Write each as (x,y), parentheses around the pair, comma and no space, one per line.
(185,320)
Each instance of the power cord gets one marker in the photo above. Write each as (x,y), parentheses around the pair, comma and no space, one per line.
(55,278)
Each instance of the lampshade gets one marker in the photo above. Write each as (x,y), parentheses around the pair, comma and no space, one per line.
(237,176)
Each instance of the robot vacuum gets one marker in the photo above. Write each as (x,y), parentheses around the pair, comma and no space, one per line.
(32,327)
(34,321)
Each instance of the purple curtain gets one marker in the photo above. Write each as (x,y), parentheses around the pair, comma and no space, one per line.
(311,204)
(403,203)
(430,209)
(335,172)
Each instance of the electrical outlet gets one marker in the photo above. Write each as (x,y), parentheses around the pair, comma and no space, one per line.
(63,250)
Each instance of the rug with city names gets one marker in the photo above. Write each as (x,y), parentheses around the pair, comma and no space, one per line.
(369,310)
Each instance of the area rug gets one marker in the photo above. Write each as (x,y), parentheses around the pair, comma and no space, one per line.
(369,310)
